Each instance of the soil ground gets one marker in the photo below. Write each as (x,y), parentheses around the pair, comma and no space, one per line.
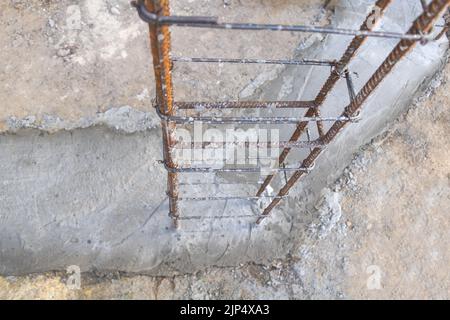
(73,59)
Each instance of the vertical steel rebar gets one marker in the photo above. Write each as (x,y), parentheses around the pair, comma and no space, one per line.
(368,25)
(160,49)
(162,64)
(422,25)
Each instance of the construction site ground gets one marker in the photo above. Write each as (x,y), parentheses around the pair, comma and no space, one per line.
(380,232)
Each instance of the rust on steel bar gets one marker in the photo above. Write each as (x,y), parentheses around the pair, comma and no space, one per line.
(320,127)
(160,49)
(245,105)
(354,46)
(422,25)
(445,27)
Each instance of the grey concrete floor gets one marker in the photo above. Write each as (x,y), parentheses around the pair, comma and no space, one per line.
(93,195)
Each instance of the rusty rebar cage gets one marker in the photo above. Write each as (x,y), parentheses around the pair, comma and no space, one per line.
(157,14)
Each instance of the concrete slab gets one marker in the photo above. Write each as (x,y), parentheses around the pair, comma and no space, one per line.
(94,196)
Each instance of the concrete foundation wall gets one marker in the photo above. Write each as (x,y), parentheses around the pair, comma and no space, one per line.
(95,196)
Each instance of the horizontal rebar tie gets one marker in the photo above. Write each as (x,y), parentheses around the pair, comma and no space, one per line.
(213,23)
(303,62)
(236,170)
(245,105)
(251,120)
(224,198)
(247,144)
(242,216)
(157,14)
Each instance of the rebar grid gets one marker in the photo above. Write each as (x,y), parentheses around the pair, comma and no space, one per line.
(423,24)
(332,80)
(162,64)
(157,14)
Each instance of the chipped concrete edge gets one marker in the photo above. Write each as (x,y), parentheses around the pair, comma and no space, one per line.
(124,119)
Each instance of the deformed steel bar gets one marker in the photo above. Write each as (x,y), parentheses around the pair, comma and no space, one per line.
(442,33)
(160,49)
(331,82)
(245,105)
(445,27)
(213,23)
(302,62)
(423,24)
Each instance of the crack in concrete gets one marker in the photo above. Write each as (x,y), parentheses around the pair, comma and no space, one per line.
(142,225)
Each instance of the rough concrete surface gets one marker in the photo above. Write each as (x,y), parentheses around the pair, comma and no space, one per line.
(74,59)
(96,180)
(93,195)
(389,212)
